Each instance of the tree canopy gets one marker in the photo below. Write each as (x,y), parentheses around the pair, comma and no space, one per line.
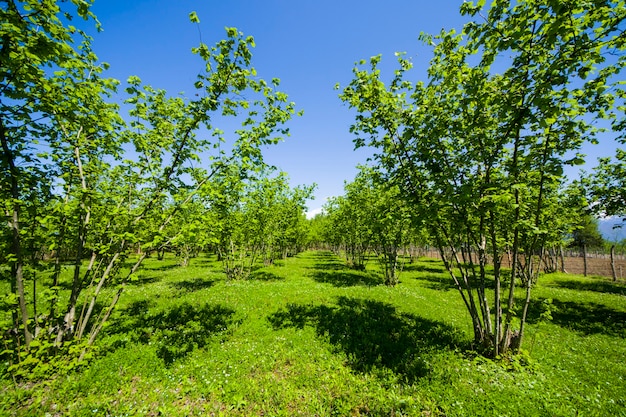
(479,148)
(86,185)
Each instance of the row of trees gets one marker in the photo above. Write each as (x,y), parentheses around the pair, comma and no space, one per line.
(478,150)
(371,217)
(373,220)
(262,220)
(472,160)
(83,190)
(259,218)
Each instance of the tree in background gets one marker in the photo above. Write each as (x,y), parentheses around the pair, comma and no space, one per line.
(607,188)
(607,185)
(479,149)
(259,218)
(586,234)
(370,217)
(390,222)
(350,224)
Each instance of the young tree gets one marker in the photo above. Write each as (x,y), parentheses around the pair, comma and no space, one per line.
(350,224)
(371,216)
(479,149)
(607,188)
(389,221)
(56,131)
(585,236)
(261,218)
(607,185)
(97,202)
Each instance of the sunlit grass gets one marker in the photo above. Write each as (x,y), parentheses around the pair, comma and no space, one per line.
(312,337)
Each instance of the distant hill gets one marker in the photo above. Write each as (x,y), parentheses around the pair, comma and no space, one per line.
(608,230)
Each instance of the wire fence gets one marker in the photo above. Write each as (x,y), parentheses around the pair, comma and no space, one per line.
(598,262)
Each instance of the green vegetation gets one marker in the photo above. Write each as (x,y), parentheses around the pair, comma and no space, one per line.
(107,307)
(311,337)
(80,180)
(478,148)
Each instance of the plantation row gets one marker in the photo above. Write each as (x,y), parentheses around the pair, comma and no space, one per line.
(470,161)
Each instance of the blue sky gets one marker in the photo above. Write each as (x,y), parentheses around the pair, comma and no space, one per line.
(309,45)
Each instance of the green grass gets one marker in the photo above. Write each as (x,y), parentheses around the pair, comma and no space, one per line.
(311,337)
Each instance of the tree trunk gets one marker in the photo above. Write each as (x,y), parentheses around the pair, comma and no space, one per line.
(85,316)
(613,262)
(562,259)
(17,269)
(584,259)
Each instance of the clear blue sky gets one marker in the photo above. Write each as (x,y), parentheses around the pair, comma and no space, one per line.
(309,45)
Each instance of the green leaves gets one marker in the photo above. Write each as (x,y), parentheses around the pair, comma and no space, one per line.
(606,187)
(193,17)
(102,190)
(478,148)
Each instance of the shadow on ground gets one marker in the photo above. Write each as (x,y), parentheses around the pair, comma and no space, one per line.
(346,278)
(329,269)
(373,335)
(586,318)
(176,332)
(595,286)
(160,265)
(265,275)
(436,268)
(327,261)
(437,282)
(192,285)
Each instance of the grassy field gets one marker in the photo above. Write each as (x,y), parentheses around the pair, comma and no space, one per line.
(311,337)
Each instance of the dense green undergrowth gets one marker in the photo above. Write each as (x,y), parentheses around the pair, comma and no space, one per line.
(311,337)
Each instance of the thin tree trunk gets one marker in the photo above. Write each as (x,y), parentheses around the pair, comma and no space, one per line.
(584,259)
(17,269)
(84,318)
(81,238)
(613,262)
(57,260)
(96,330)
(465,290)
(497,264)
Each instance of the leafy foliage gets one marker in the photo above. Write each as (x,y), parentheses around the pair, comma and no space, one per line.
(371,216)
(258,218)
(83,190)
(479,149)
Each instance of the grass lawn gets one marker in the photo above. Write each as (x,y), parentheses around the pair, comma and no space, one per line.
(310,337)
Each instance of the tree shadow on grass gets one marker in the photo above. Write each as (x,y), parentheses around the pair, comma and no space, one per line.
(346,278)
(264,275)
(327,261)
(436,282)
(595,286)
(175,332)
(373,335)
(192,285)
(164,265)
(420,267)
(586,318)
(330,266)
